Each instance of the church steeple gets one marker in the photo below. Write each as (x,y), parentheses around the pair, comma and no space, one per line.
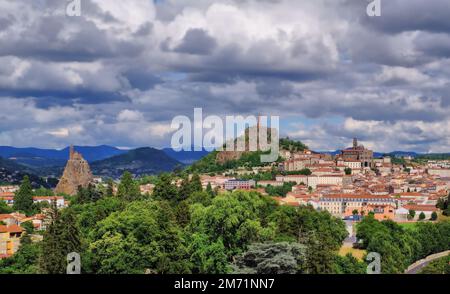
(71,152)
(355,142)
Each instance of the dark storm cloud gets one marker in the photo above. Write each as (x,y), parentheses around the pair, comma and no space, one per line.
(197,42)
(142,78)
(48,40)
(411,15)
(437,45)
(159,59)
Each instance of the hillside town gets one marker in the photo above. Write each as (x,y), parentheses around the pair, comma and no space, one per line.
(349,185)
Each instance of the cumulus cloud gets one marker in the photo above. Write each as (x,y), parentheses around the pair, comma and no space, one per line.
(122,70)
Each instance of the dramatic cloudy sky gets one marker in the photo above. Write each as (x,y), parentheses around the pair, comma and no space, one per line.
(122,70)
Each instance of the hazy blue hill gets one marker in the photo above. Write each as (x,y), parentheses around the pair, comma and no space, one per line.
(35,157)
(13,173)
(138,161)
(186,157)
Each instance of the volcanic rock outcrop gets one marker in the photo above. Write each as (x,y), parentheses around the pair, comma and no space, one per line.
(77,173)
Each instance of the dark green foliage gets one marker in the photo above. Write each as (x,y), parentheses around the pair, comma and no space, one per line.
(399,247)
(206,256)
(28,226)
(165,189)
(142,237)
(291,145)
(182,213)
(23,200)
(280,190)
(141,161)
(203,198)
(61,238)
(43,192)
(185,189)
(89,194)
(210,191)
(110,188)
(235,219)
(90,214)
(422,216)
(25,261)
(4,208)
(272,259)
(348,265)
(434,216)
(440,266)
(443,205)
(305,172)
(348,171)
(195,184)
(322,233)
(128,189)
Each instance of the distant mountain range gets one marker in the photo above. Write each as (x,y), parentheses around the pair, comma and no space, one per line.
(186,157)
(13,173)
(104,160)
(138,161)
(35,157)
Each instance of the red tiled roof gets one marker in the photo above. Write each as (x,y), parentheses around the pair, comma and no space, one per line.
(420,207)
(11,229)
(357,196)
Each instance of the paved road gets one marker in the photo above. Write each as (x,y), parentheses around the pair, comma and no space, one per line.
(418,265)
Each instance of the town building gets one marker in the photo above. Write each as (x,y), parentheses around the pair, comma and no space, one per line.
(9,239)
(358,153)
(239,185)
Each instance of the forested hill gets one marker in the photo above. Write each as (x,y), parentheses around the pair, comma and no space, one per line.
(13,173)
(211,164)
(138,161)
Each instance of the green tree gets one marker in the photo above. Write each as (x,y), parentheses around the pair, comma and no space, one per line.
(271,258)
(28,226)
(185,189)
(43,192)
(23,200)
(434,216)
(144,236)
(89,194)
(110,188)
(61,238)
(128,189)
(348,171)
(348,265)
(196,184)
(411,214)
(236,219)
(210,190)
(422,216)
(165,189)
(4,208)
(207,257)
(182,213)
